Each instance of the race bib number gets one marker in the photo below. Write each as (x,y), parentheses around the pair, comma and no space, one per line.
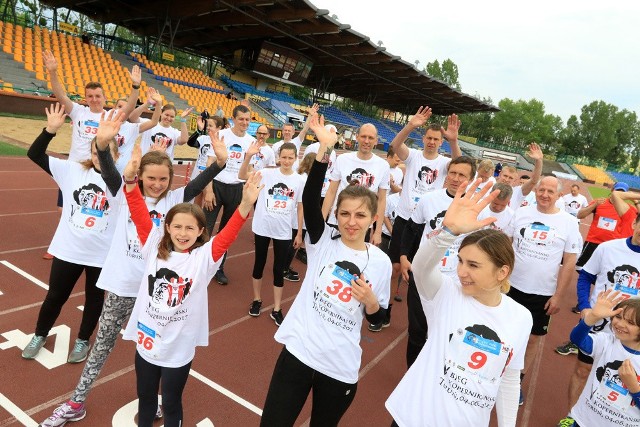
(90,219)
(614,395)
(539,234)
(90,128)
(279,204)
(449,262)
(148,340)
(607,223)
(234,160)
(627,292)
(334,284)
(477,358)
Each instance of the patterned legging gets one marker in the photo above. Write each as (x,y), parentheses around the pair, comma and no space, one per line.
(115,312)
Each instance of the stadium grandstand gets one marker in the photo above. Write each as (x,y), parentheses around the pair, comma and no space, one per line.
(307,46)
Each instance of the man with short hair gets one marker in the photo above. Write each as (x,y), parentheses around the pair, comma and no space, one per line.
(574,201)
(424,221)
(363,168)
(227,186)
(499,207)
(396,175)
(546,241)
(266,158)
(287,136)
(509,175)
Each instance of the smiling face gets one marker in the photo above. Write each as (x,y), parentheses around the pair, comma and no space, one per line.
(241,121)
(367,139)
(354,219)
(287,132)
(155,180)
(95,99)
(547,194)
(625,328)
(184,231)
(167,117)
(479,276)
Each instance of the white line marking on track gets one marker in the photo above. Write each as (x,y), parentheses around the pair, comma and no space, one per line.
(25,274)
(29,189)
(13,251)
(226,392)
(17,413)
(531,390)
(364,371)
(28,213)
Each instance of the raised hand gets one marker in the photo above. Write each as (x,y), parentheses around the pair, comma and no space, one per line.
(219,147)
(50,62)
(254,148)
(55,117)
(251,189)
(186,112)
(535,152)
(453,126)
(629,376)
(462,215)
(325,138)
(421,117)
(313,110)
(109,127)
(157,97)
(136,75)
(160,144)
(200,123)
(362,292)
(131,169)
(603,308)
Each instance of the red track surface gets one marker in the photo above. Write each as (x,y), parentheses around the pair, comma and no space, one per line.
(241,354)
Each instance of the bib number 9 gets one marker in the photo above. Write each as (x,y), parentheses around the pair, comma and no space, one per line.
(477,360)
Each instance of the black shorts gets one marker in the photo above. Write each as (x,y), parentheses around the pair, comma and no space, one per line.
(587,251)
(396,239)
(384,245)
(535,304)
(585,358)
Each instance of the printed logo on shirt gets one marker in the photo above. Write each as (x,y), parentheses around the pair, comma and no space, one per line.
(427,175)
(435,223)
(90,208)
(133,242)
(332,299)
(361,177)
(280,199)
(574,204)
(119,140)
(156,138)
(168,289)
(611,391)
(624,278)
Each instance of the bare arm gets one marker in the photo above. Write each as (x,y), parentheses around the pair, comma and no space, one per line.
(184,132)
(589,209)
(564,279)
(313,110)
(247,167)
(136,79)
(376,239)
(155,118)
(619,201)
(536,154)
(419,119)
(51,64)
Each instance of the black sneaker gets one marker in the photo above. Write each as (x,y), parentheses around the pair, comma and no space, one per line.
(301,255)
(254,308)
(291,276)
(375,327)
(387,320)
(277,317)
(221,278)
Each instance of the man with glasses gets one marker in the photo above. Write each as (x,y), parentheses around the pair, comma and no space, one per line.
(266,158)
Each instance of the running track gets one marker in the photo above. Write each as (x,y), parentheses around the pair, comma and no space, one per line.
(230,377)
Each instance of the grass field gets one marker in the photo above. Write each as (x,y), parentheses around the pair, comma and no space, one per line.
(11,150)
(597,192)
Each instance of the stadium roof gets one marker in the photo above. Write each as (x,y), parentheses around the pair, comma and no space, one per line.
(346,62)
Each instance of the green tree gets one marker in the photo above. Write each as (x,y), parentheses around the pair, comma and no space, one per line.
(447,72)
(478,125)
(598,126)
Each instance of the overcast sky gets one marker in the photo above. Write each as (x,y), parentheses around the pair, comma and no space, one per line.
(565,53)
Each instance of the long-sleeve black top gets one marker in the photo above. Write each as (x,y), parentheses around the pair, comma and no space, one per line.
(312,201)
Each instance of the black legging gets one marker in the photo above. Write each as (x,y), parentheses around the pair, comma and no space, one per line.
(62,279)
(148,378)
(290,385)
(418,328)
(280,248)
(291,251)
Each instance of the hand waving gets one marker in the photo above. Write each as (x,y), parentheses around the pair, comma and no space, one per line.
(219,147)
(109,127)
(453,126)
(462,215)
(55,117)
(131,169)
(421,117)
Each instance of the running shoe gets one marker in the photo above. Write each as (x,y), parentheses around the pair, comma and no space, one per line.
(254,308)
(221,278)
(277,317)
(33,348)
(567,349)
(64,413)
(159,412)
(302,255)
(566,422)
(79,352)
(291,276)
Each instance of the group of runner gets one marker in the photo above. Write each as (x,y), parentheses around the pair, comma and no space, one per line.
(465,242)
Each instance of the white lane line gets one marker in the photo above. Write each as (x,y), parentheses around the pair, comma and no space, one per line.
(13,251)
(29,213)
(226,392)
(25,275)
(382,355)
(530,392)
(29,189)
(16,412)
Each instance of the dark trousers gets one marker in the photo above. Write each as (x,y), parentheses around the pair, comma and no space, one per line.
(280,248)
(418,328)
(148,377)
(228,197)
(290,385)
(62,279)
(291,252)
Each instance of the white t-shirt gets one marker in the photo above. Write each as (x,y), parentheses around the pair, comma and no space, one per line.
(604,401)
(264,159)
(490,182)
(294,222)
(517,197)
(430,211)
(204,152)
(390,211)
(372,174)
(455,379)
(124,265)
(313,148)
(236,147)
(295,141)
(539,242)
(277,203)
(397,175)
(89,212)
(170,317)
(572,204)
(322,328)
(502,218)
(149,137)
(421,176)
(616,266)
(126,139)
(85,127)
